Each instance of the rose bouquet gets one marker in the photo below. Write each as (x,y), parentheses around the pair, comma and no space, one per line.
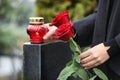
(66,32)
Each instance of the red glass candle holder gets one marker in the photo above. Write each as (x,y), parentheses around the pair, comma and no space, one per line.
(36,29)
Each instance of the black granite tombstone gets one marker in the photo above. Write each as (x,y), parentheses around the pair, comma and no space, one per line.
(45,61)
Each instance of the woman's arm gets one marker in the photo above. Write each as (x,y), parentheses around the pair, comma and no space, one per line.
(84,29)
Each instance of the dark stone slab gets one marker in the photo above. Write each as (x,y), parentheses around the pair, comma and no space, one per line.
(32,61)
(45,61)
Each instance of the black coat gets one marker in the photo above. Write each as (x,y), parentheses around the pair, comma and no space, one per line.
(101,26)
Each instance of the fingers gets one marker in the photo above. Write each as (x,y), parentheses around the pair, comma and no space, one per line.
(50,33)
(90,64)
(84,55)
(87,60)
(94,56)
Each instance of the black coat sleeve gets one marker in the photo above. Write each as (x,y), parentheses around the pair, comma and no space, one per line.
(84,30)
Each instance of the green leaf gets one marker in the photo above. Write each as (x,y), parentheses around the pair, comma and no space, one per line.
(93,78)
(78,47)
(100,74)
(89,73)
(66,72)
(82,74)
(72,47)
(69,63)
(77,58)
(76,50)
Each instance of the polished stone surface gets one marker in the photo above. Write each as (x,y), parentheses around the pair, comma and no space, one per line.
(45,61)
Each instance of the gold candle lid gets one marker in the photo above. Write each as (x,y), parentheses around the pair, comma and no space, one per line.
(36,20)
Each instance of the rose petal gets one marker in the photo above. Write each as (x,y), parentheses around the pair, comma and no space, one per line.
(65,32)
(60,19)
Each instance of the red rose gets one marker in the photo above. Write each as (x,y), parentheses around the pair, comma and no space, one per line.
(64,32)
(60,19)
(65,28)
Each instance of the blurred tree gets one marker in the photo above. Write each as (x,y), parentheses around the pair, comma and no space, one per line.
(15,11)
(12,39)
(5,8)
(77,8)
(13,15)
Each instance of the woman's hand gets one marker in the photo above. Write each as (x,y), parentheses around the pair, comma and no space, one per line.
(94,56)
(50,33)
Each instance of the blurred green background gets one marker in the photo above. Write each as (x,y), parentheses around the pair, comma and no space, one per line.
(14,19)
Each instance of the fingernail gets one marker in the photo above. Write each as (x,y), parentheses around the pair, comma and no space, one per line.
(44,37)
